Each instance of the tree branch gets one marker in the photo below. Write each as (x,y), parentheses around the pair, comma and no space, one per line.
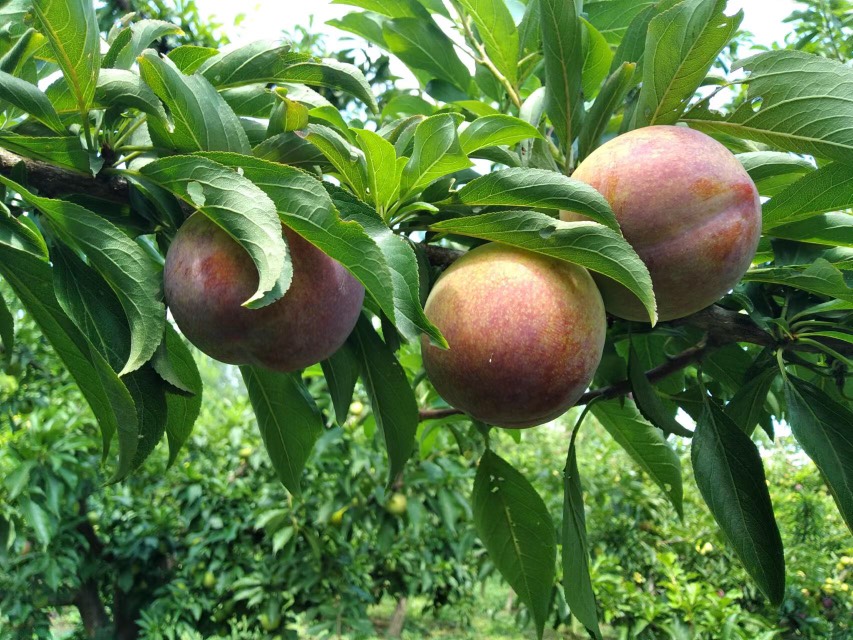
(53,181)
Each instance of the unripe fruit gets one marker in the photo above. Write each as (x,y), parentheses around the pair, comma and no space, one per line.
(209,580)
(208,276)
(687,207)
(526,333)
(337,517)
(397,504)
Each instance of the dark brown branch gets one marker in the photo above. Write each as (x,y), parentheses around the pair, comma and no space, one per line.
(441,256)
(53,181)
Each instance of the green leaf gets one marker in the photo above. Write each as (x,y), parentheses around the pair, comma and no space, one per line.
(131,273)
(612,17)
(7,327)
(37,518)
(747,405)
(203,121)
(30,99)
(804,106)
(821,278)
(681,45)
(597,60)
(730,477)
(383,178)
(517,531)
(822,427)
(30,277)
(408,317)
(422,46)
(66,151)
(289,148)
(391,397)
(437,153)
(17,56)
(117,87)
(188,58)
(494,130)
(126,48)
(830,188)
(588,244)
(609,99)
(304,205)
(332,74)
(288,419)
(647,400)
(363,24)
(562,41)
(175,364)
(575,551)
(348,160)
(341,370)
(72,30)
(833,229)
(251,100)
(149,395)
(497,31)
(257,62)
(646,444)
(390,8)
(772,171)
(244,211)
(524,187)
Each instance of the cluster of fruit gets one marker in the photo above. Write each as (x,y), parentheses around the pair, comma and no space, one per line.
(526,331)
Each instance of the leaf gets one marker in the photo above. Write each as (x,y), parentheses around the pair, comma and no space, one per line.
(72,30)
(131,273)
(496,29)
(647,400)
(333,74)
(304,205)
(587,244)
(730,477)
(66,151)
(188,58)
(13,60)
(645,444)
(390,8)
(829,188)
(149,395)
(30,277)
(258,62)
(527,187)
(422,46)
(597,59)
(117,87)
(288,419)
(833,229)
(803,106)
(747,405)
(203,121)
(772,171)
(7,327)
(563,46)
(382,177)
(609,99)
(126,48)
(363,24)
(575,552)
(612,17)
(289,148)
(681,45)
(30,99)
(821,278)
(175,364)
(231,201)
(341,370)
(391,397)
(437,153)
(409,317)
(822,427)
(494,130)
(348,160)
(517,531)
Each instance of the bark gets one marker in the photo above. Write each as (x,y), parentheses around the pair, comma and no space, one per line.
(91,608)
(398,619)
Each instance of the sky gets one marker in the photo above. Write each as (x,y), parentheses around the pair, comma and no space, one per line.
(266,19)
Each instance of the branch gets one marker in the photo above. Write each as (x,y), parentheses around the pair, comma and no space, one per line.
(440,256)
(53,181)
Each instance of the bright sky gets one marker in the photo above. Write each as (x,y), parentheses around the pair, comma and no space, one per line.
(266,19)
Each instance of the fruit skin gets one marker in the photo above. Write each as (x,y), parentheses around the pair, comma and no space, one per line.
(686,205)
(209,580)
(526,333)
(397,504)
(208,276)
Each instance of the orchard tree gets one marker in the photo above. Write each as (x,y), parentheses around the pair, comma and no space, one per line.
(610,238)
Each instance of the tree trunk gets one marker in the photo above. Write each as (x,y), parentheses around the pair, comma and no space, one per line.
(92,611)
(395,627)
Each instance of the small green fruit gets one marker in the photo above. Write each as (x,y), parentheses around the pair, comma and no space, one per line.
(396,504)
(209,580)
